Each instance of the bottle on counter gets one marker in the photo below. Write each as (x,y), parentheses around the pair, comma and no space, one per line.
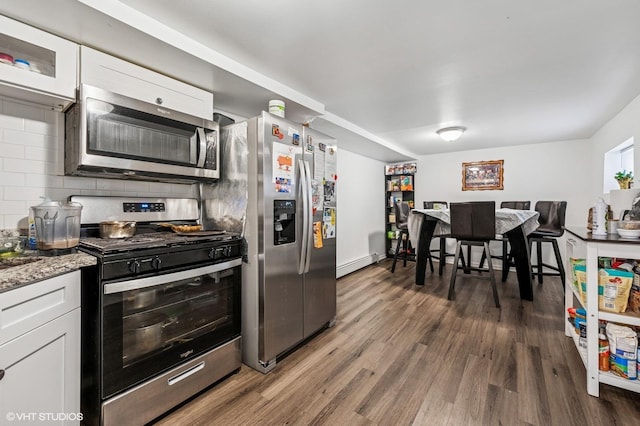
(599,218)
(32,242)
(603,349)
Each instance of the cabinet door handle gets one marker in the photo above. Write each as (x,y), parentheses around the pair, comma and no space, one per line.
(1,374)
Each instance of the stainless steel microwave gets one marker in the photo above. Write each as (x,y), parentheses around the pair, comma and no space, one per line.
(110,135)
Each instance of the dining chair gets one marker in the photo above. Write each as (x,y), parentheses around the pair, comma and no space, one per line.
(402,211)
(441,251)
(507,257)
(473,224)
(552,215)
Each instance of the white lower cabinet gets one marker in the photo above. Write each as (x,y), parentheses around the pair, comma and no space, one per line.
(40,368)
(581,245)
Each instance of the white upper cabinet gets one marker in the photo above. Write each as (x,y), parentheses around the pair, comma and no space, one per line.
(124,78)
(51,76)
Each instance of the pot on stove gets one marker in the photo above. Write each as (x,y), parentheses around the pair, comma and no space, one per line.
(117,229)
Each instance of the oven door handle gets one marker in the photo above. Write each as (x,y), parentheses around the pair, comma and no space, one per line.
(193,370)
(138,283)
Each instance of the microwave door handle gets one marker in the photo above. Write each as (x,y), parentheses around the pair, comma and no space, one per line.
(202,150)
(193,148)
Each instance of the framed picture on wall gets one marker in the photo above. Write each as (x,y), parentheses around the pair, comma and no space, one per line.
(482,175)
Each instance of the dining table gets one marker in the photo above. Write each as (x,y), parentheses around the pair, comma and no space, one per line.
(424,224)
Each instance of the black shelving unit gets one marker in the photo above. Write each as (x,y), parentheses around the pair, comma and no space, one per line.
(399,184)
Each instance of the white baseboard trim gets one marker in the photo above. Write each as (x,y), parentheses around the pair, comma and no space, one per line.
(354,265)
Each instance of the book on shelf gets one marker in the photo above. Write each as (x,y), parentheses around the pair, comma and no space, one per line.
(406,183)
(398,169)
(393,185)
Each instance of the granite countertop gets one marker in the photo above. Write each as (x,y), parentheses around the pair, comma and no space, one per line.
(41,269)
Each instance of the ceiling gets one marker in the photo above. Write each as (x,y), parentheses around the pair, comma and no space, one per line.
(511,72)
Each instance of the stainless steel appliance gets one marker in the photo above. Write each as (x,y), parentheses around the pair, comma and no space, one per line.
(289,279)
(112,135)
(160,311)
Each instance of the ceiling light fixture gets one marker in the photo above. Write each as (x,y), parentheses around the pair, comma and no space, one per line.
(451,134)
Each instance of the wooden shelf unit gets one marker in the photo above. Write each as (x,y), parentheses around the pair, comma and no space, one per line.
(399,185)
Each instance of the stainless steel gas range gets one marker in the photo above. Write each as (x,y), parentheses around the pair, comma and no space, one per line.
(160,311)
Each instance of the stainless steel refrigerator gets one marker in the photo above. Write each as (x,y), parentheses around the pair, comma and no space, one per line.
(289,277)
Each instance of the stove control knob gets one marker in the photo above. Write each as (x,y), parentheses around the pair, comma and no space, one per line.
(216,253)
(156,263)
(227,251)
(134,267)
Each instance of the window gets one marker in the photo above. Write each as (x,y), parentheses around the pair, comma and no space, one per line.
(617,159)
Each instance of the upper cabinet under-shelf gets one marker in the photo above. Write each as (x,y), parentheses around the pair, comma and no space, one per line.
(51,76)
(124,78)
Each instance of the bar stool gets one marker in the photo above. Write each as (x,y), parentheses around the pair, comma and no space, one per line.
(552,215)
(473,224)
(442,254)
(507,257)
(402,211)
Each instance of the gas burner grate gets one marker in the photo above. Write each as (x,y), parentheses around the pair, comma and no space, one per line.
(151,240)
(107,245)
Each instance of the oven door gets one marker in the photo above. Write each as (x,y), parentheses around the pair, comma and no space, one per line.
(152,324)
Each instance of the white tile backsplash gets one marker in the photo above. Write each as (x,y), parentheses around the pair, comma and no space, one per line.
(27,112)
(11,123)
(27,139)
(75,182)
(12,150)
(29,169)
(42,154)
(12,179)
(110,184)
(16,193)
(22,165)
(39,127)
(12,207)
(136,187)
(43,181)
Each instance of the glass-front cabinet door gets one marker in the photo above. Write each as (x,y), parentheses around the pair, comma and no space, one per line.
(37,66)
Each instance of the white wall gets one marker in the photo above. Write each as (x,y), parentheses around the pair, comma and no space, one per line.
(549,171)
(564,170)
(30,166)
(623,126)
(361,211)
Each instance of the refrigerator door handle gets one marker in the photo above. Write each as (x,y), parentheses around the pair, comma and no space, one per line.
(309,202)
(305,225)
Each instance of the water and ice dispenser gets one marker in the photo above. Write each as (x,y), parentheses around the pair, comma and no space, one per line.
(284,222)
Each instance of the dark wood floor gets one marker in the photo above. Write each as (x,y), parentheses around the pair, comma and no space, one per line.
(404,355)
